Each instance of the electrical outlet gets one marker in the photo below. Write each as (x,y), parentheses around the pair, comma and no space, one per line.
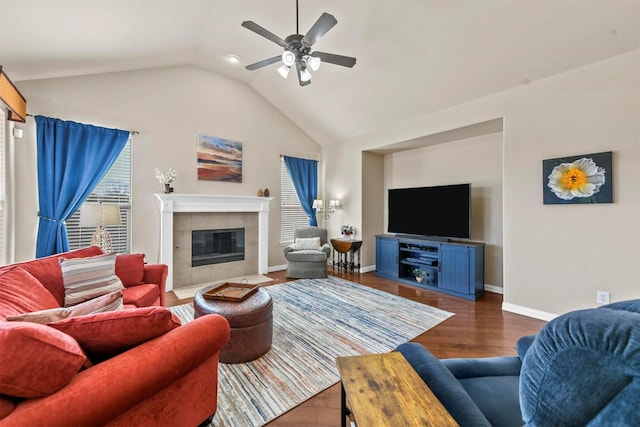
(602,297)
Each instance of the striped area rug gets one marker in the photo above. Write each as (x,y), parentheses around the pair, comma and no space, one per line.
(314,321)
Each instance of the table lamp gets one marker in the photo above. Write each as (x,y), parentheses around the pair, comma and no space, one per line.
(99,215)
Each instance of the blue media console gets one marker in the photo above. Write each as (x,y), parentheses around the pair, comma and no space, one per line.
(454,268)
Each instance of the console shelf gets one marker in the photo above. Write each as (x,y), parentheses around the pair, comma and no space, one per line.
(455,268)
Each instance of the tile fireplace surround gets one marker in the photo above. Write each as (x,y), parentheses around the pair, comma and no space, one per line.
(172,203)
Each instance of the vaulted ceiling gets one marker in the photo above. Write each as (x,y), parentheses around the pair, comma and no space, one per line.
(413,56)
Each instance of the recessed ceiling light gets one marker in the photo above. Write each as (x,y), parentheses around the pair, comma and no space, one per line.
(234,59)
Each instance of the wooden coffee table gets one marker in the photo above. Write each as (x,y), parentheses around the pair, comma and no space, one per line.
(384,390)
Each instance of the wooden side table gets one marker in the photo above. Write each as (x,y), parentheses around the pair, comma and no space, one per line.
(348,254)
(380,390)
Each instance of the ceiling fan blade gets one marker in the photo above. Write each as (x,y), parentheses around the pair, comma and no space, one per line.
(263,63)
(345,61)
(319,29)
(264,33)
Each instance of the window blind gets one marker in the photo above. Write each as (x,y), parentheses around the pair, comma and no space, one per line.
(115,187)
(292,216)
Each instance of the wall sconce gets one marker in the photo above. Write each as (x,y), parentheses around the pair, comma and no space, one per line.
(324,208)
(99,215)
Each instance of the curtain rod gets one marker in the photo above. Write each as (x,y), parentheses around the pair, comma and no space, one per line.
(132,132)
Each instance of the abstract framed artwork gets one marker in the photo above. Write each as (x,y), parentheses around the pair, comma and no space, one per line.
(578,179)
(219,159)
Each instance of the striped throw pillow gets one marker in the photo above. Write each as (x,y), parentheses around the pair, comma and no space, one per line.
(87,278)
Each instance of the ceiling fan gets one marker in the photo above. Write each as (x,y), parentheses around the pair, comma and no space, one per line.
(297,49)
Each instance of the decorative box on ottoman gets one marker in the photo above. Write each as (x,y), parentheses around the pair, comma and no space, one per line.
(251,322)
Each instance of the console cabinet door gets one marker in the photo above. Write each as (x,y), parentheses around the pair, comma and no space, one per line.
(455,274)
(387,257)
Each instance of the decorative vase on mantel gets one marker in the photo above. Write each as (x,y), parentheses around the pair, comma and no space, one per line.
(167,188)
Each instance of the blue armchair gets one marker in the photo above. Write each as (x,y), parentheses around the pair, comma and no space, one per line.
(583,368)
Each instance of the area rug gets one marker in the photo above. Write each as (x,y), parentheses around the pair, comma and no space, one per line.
(314,321)
(252,279)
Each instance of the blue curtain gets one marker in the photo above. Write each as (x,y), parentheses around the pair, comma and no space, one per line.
(304,174)
(72,159)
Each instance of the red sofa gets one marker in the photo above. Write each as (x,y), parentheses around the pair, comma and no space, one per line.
(143,368)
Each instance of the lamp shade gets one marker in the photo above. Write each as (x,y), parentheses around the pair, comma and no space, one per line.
(318,204)
(288,58)
(97,214)
(305,75)
(314,62)
(284,70)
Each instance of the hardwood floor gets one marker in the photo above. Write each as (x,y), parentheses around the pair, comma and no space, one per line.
(478,329)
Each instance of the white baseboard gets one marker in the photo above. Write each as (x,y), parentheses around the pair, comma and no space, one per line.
(367,269)
(277,268)
(518,309)
(529,312)
(494,289)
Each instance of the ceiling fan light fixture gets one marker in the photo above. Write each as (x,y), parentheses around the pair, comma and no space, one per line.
(284,70)
(305,75)
(288,58)
(297,49)
(314,62)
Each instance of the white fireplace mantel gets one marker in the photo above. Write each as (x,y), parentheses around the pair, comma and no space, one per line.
(169,203)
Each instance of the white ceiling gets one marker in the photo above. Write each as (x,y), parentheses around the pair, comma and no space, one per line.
(413,56)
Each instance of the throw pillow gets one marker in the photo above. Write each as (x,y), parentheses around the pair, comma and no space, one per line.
(105,335)
(109,302)
(47,269)
(307,243)
(36,360)
(20,292)
(87,278)
(130,269)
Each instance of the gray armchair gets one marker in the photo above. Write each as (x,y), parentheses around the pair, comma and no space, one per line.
(307,255)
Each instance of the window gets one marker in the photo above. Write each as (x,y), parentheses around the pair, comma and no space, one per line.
(115,187)
(292,216)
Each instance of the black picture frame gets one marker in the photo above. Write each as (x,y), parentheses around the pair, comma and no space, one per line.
(551,190)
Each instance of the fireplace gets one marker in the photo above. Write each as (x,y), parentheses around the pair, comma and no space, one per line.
(216,246)
(209,212)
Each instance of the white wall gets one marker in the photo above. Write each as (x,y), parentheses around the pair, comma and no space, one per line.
(558,256)
(555,256)
(474,160)
(169,107)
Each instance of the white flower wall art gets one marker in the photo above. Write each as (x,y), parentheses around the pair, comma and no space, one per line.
(578,179)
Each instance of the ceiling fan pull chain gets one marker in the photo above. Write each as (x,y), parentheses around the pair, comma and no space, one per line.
(297,29)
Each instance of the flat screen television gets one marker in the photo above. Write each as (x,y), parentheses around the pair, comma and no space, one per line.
(439,211)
